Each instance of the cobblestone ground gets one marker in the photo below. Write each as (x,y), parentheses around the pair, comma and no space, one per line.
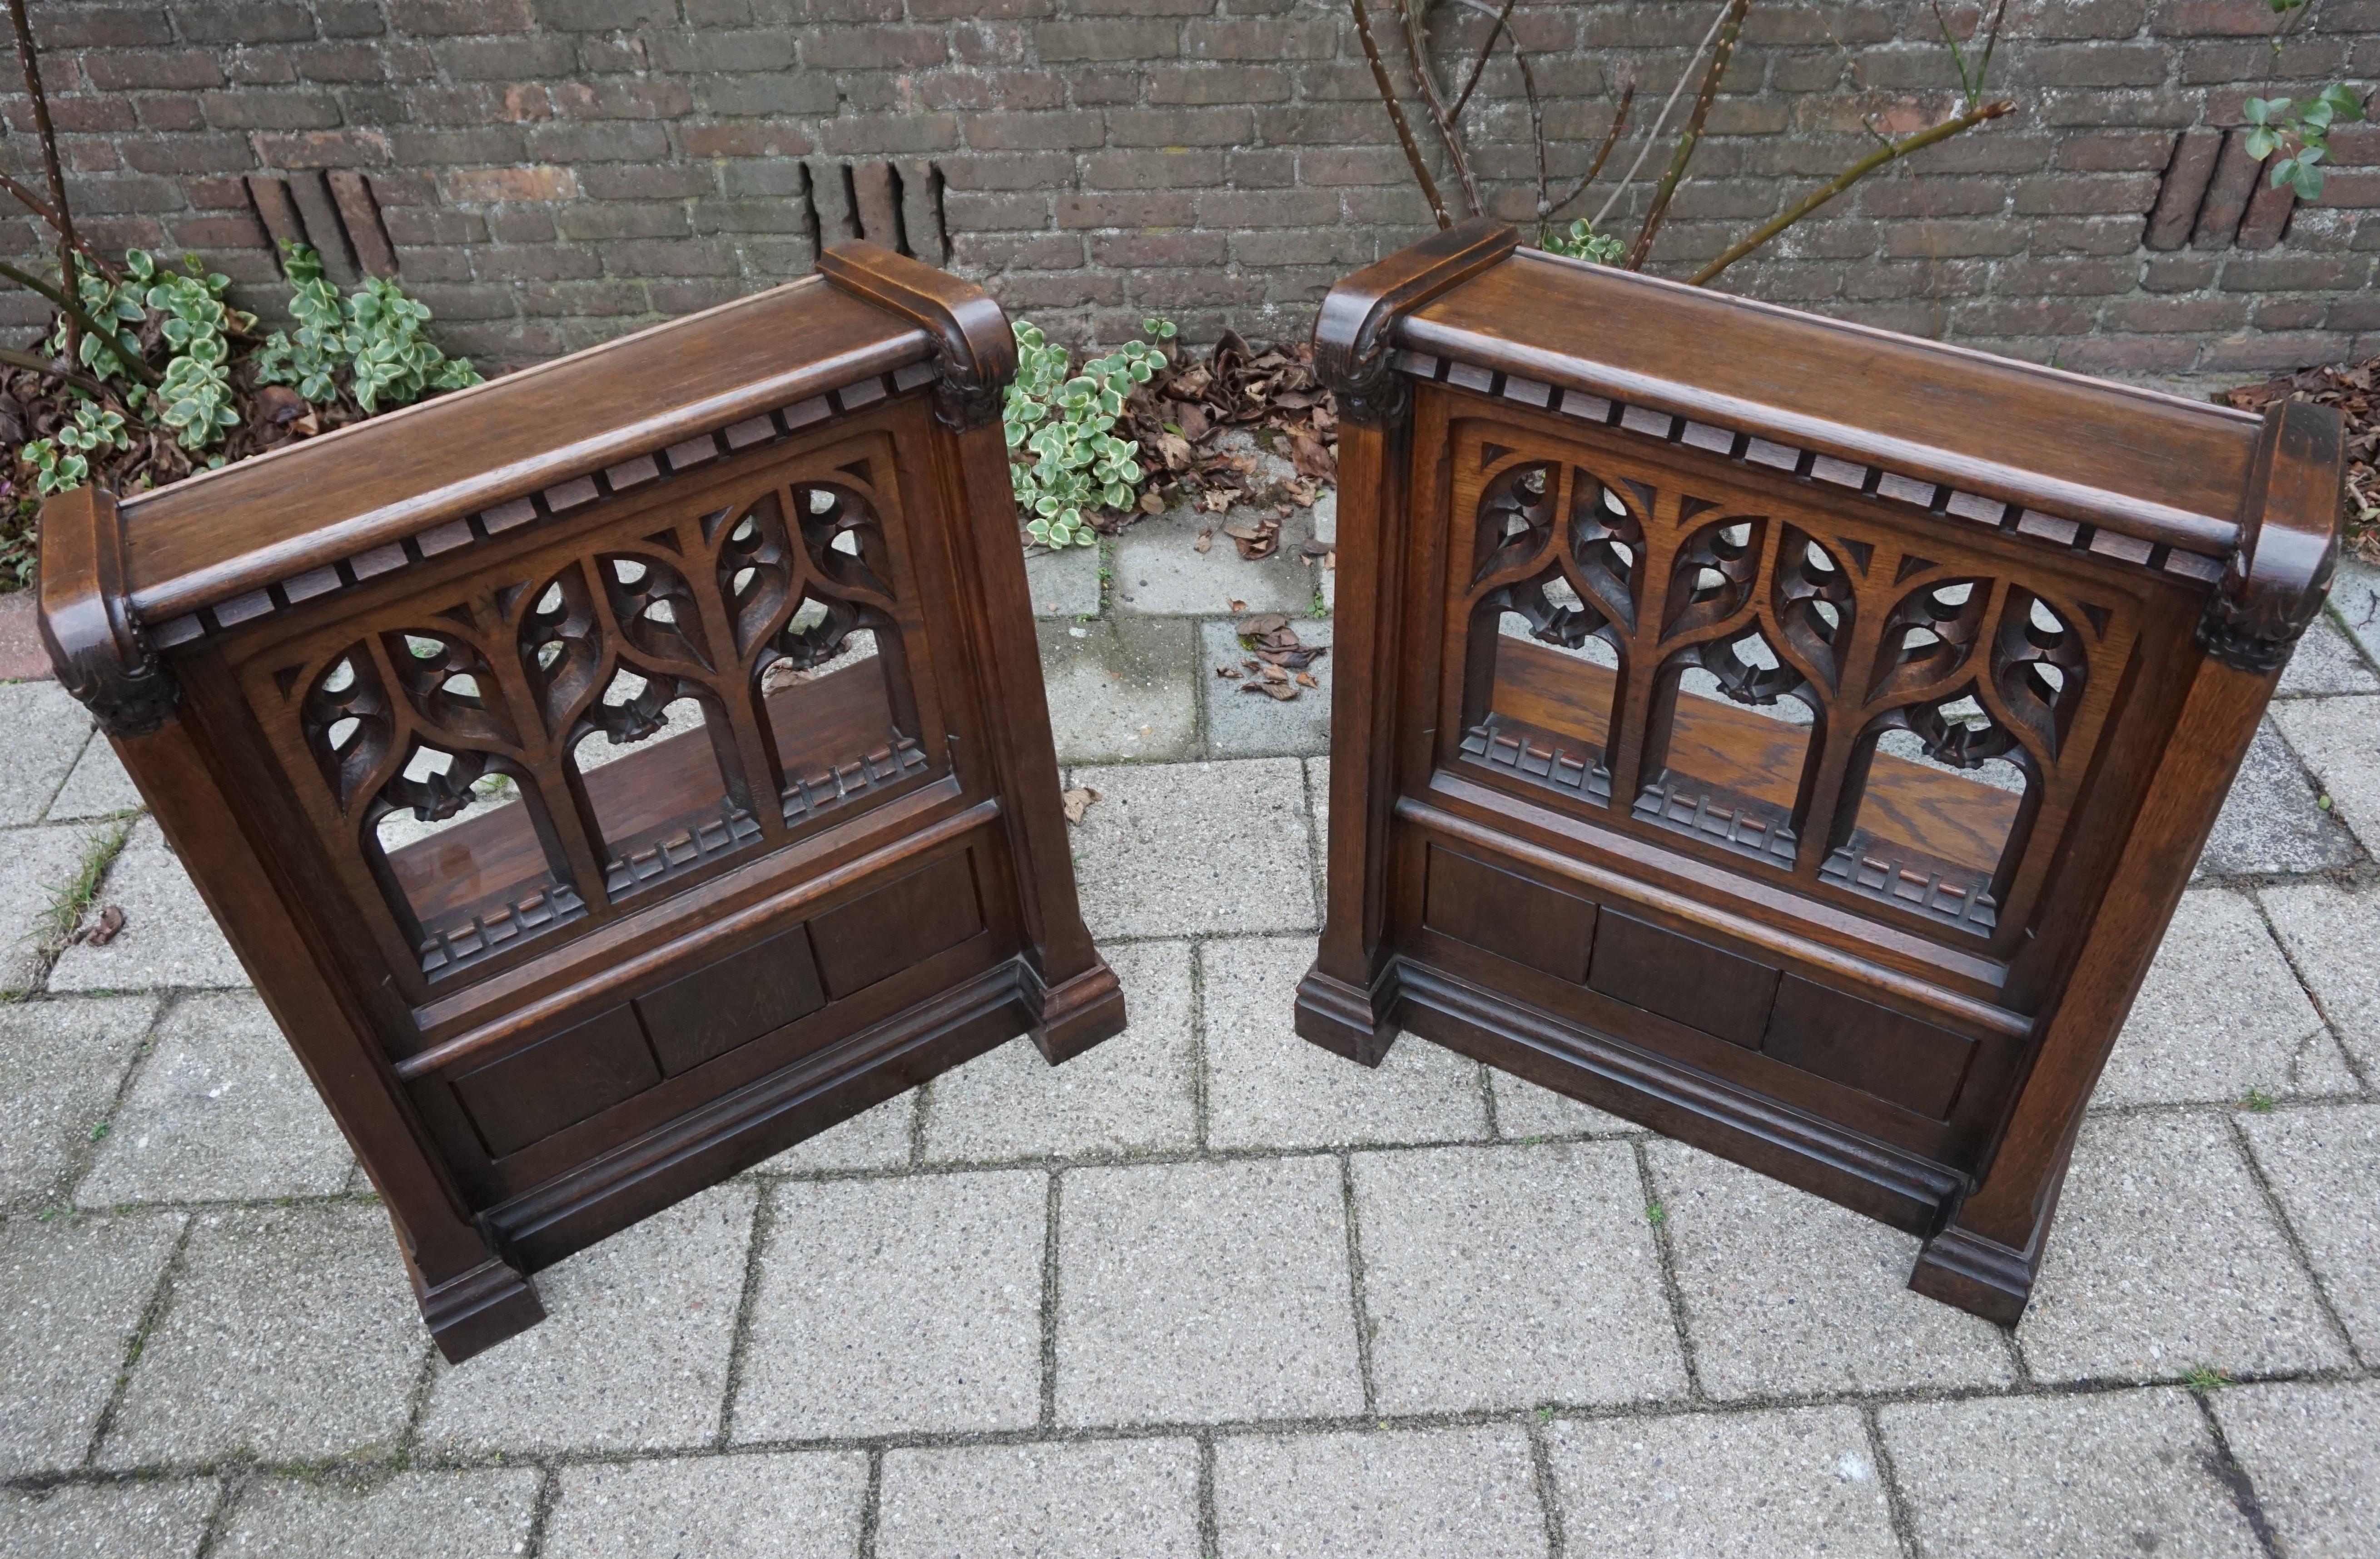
(1207,1290)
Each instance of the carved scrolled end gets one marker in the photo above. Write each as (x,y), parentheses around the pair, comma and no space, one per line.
(2275,582)
(100,654)
(974,354)
(1354,343)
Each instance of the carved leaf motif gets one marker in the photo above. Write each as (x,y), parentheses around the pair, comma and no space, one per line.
(1711,578)
(2038,666)
(655,608)
(1928,636)
(561,645)
(449,684)
(1814,601)
(347,722)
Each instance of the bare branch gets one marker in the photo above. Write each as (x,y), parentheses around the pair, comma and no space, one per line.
(48,136)
(1653,136)
(1730,29)
(48,214)
(1611,140)
(1397,115)
(1417,48)
(1891,151)
(1479,67)
(15,358)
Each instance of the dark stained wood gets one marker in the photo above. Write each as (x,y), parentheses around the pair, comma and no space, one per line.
(558,1081)
(1875,976)
(1682,980)
(1508,915)
(563,1010)
(732,1002)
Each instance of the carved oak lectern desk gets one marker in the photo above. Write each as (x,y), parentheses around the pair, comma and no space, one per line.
(1792,735)
(614,773)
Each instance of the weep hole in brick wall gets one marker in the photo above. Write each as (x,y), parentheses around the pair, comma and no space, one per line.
(334,211)
(2213,196)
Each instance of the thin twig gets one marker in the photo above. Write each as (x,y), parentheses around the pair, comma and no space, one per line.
(1730,29)
(134,364)
(1653,136)
(1611,140)
(49,138)
(15,358)
(1418,49)
(1397,115)
(1892,152)
(48,214)
(1480,65)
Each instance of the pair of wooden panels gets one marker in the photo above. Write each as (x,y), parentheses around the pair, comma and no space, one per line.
(619,771)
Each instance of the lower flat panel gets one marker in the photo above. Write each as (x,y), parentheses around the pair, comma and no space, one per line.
(558,1081)
(1684,980)
(1897,1058)
(732,1002)
(1508,915)
(902,923)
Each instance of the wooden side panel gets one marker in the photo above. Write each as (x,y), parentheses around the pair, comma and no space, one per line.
(1682,980)
(1508,915)
(898,925)
(733,1002)
(1873,1049)
(559,1081)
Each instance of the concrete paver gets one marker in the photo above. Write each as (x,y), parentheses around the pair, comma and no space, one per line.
(219,1111)
(887,1304)
(2164,1259)
(97,787)
(1065,583)
(47,731)
(1743,1485)
(168,937)
(162,1520)
(2313,1453)
(61,1064)
(1041,1502)
(35,865)
(1120,690)
(1508,1276)
(875,1138)
(1204,1291)
(2339,740)
(2273,819)
(1249,724)
(2131,1473)
(2325,661)
(1414,1495)
(2324,1164)
(2329,932)
(1160,571)
(745,1506)
(72,1293)
(1788,1294)
(433,1515)
(633,1353)
(1179,849)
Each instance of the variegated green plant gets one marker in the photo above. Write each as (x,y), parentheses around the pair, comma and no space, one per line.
(1065,460)
(62,461)
(373,336)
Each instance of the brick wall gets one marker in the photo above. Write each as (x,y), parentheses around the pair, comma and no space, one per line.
(547,173)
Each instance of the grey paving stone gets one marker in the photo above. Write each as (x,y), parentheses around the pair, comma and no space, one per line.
(910,1304)
(46,733)
(2325,1166)
(632,1355)
(1317,801)
(1111,1498)
(1136,1091)
(1739,1484)
(711,1508)
(2355,604)
(1525,1110)
(2330,932)
(2120,1473)
(1249,724)
(220,1111)
(2272,822)
(1325,518)
(420,1515)
(2339,740)
(2163,1257)
(1177,849)
(877,1138)
(35,864)
(2325,661)
(1417,1494)
(168,937)
(120,1520)
(2313,1454)
(1204,1292)
(2220,1014)
(61,1064)
(1266,1088)
(1121,690)
(290,1333)
(97,787)
(72,1292)
(1066,584)
(1788,1294)
(1160,571)
(1508,1276)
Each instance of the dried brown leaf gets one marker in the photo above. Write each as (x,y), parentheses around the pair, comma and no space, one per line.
(1077,801)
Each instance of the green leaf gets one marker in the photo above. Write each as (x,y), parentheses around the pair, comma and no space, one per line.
(2261,142)
(2345,101)
(2306,180)
(2264,110)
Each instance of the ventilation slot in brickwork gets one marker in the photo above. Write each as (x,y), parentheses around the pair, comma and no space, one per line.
(334,212)
(897,204)
(2216,196)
